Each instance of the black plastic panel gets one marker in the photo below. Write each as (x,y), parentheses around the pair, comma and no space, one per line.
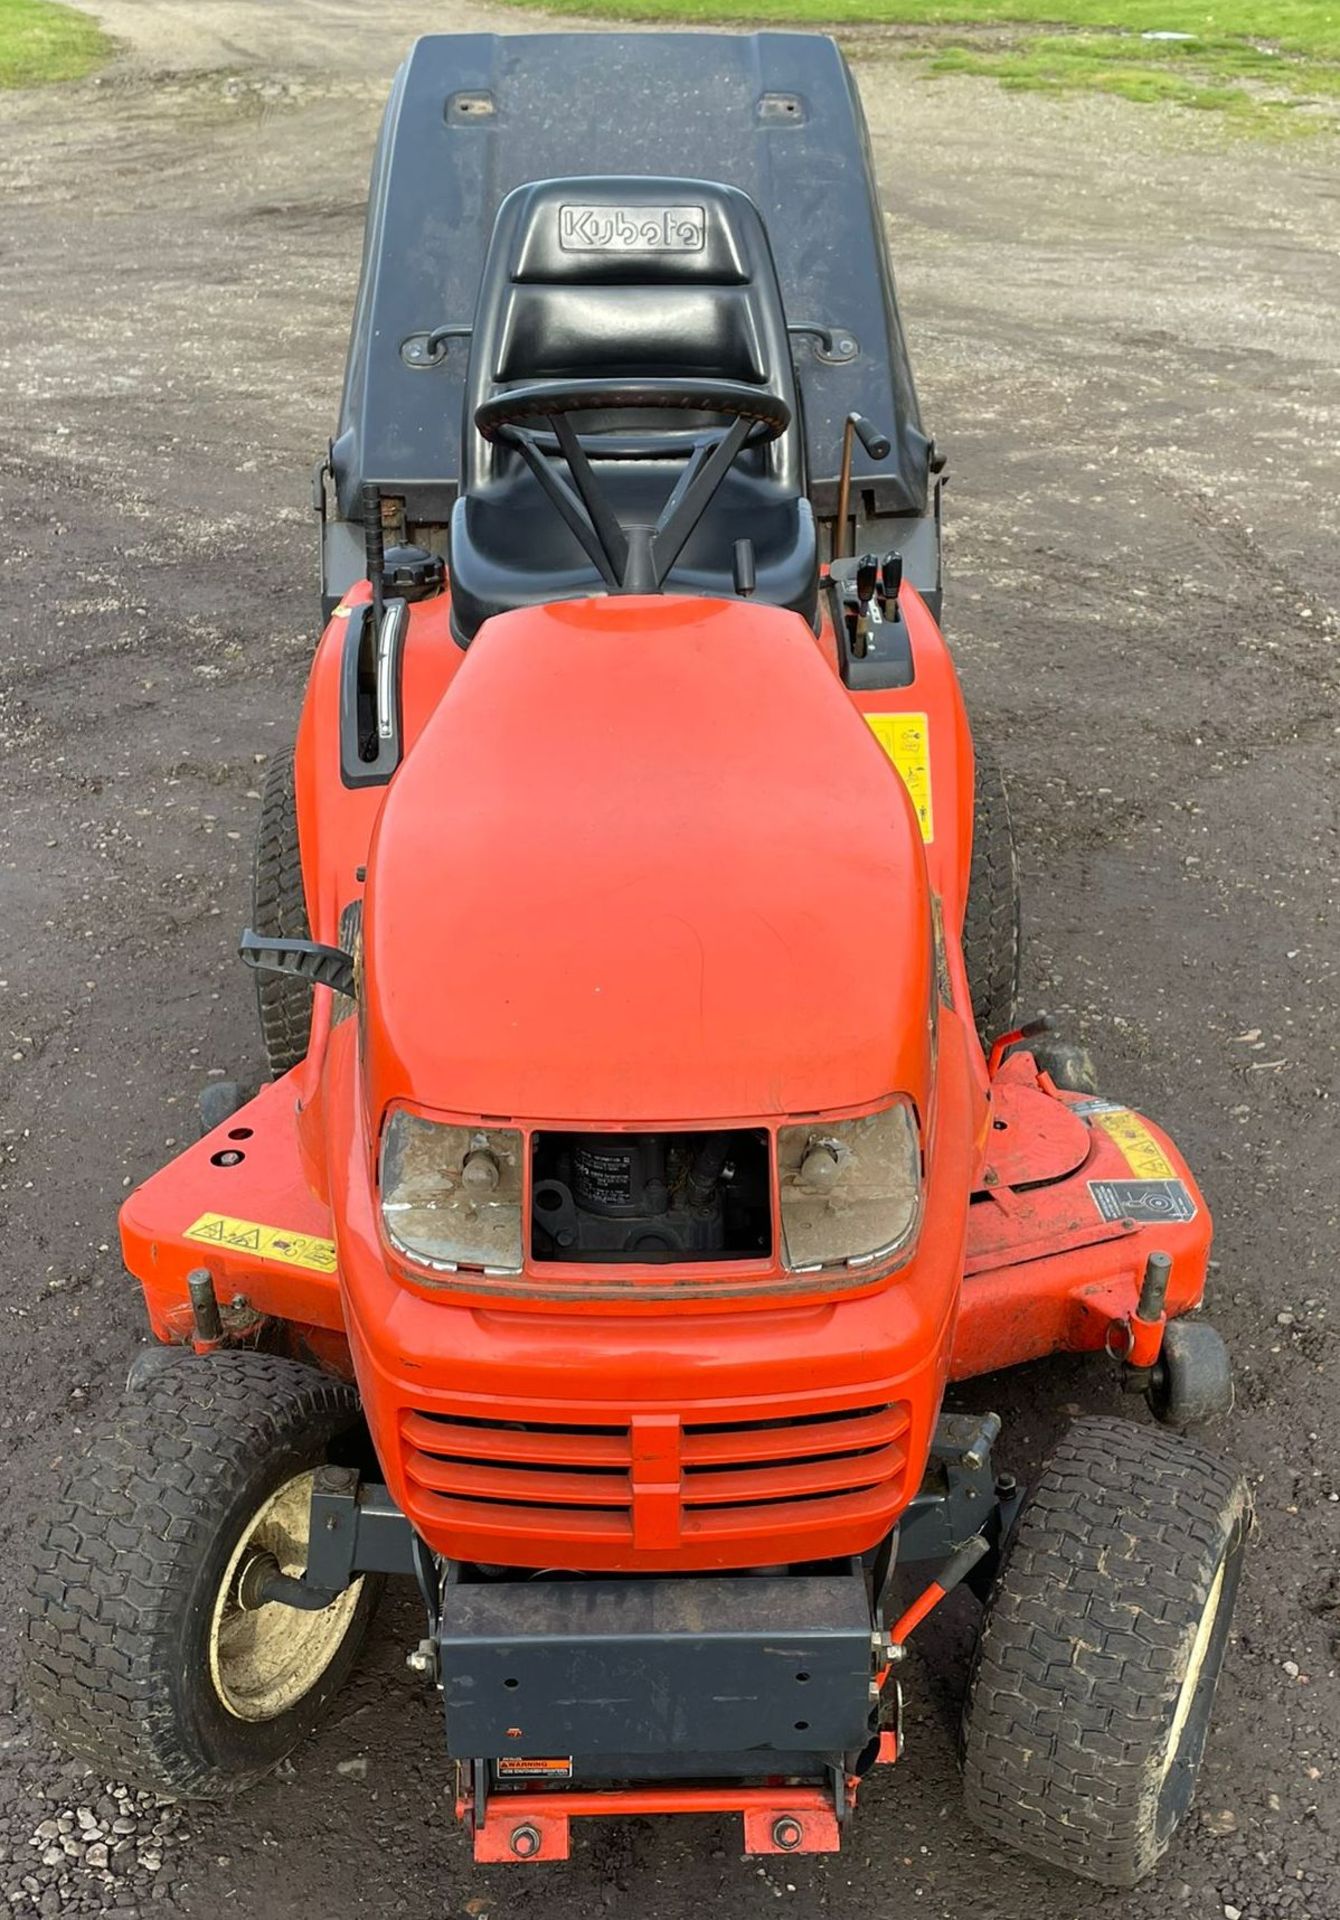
(473,115)
(701,1665)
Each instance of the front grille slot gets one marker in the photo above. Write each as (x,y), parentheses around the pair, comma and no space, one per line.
(816,1458)
(548,1483)
(546,1446)
(548,1476)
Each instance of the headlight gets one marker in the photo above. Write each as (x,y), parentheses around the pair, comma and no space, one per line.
(451,1196)
(850,1189)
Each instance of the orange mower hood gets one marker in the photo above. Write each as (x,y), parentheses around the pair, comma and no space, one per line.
(646,864)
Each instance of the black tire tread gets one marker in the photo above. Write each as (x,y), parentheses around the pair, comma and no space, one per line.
(991,921)
(111,1582)
(279,912)
(1084,1643)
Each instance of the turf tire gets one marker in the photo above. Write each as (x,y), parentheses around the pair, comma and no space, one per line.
(1091,1687)
(133,1554)
(279,912)
(991,922)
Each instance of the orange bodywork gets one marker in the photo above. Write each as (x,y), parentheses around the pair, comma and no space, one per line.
(646,866)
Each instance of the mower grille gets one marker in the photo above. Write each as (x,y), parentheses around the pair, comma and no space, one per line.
(651,1481)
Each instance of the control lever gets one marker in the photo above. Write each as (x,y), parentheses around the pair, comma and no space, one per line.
(374,547)
(868,615)
(878,446)
(746,573)
(370,743)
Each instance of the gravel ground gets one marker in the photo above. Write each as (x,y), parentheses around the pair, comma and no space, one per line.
(1125,330)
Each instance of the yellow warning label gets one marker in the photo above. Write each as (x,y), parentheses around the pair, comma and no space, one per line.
(905,737)
(1140,1150)
(264,1243)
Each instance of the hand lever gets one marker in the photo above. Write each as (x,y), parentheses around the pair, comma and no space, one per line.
(746,572)
(374,546)
(867,607)
(877,445)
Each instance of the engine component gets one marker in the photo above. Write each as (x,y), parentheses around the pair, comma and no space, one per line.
(650,1196)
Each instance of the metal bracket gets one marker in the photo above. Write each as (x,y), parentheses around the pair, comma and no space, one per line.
(836,345)
(428,349)
(356,1527)
(958,1495)
(321,472)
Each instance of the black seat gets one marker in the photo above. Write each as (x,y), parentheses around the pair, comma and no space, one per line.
(629,278)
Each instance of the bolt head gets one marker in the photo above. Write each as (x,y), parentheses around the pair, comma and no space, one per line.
(525,1842)
(787,1834)
(481,1172)
(336,1479)
(821,1166)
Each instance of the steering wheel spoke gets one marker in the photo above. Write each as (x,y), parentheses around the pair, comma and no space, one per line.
(571,509)
(603,517)
(634,559)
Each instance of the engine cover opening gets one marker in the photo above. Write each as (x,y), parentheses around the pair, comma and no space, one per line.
(651,1197)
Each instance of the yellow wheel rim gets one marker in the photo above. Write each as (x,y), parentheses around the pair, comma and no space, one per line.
(1200,1648)
(264,1660)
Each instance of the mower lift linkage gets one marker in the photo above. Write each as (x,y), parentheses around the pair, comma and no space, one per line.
(949,1577)
(1031,1030)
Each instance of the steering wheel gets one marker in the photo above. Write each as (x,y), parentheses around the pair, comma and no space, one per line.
(766,414)
(633,558)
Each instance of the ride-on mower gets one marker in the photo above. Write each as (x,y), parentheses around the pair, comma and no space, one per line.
(652,1139)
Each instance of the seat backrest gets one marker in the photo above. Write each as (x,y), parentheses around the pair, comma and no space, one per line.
(628,276)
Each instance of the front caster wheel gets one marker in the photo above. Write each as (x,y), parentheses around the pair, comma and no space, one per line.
(1068,1065)
(1192,1379)
(1095,1671)
(218,1101)
(148,1649)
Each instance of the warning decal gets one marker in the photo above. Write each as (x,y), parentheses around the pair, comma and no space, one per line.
(521,1766)
(1139,1149)
(266,1243)
(1155,1202)
(905,737)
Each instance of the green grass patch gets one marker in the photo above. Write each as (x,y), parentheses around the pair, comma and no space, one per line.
(1266,64)
(1261,87)
(41,42)
(1308,26)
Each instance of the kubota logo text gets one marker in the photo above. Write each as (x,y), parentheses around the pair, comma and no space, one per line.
(631,229)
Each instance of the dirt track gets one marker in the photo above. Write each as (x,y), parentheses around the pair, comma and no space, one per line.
(1126,335)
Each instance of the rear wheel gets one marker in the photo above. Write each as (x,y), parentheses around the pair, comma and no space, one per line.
(147,1647)
(991,939)
(279,912)
(1095,1671)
